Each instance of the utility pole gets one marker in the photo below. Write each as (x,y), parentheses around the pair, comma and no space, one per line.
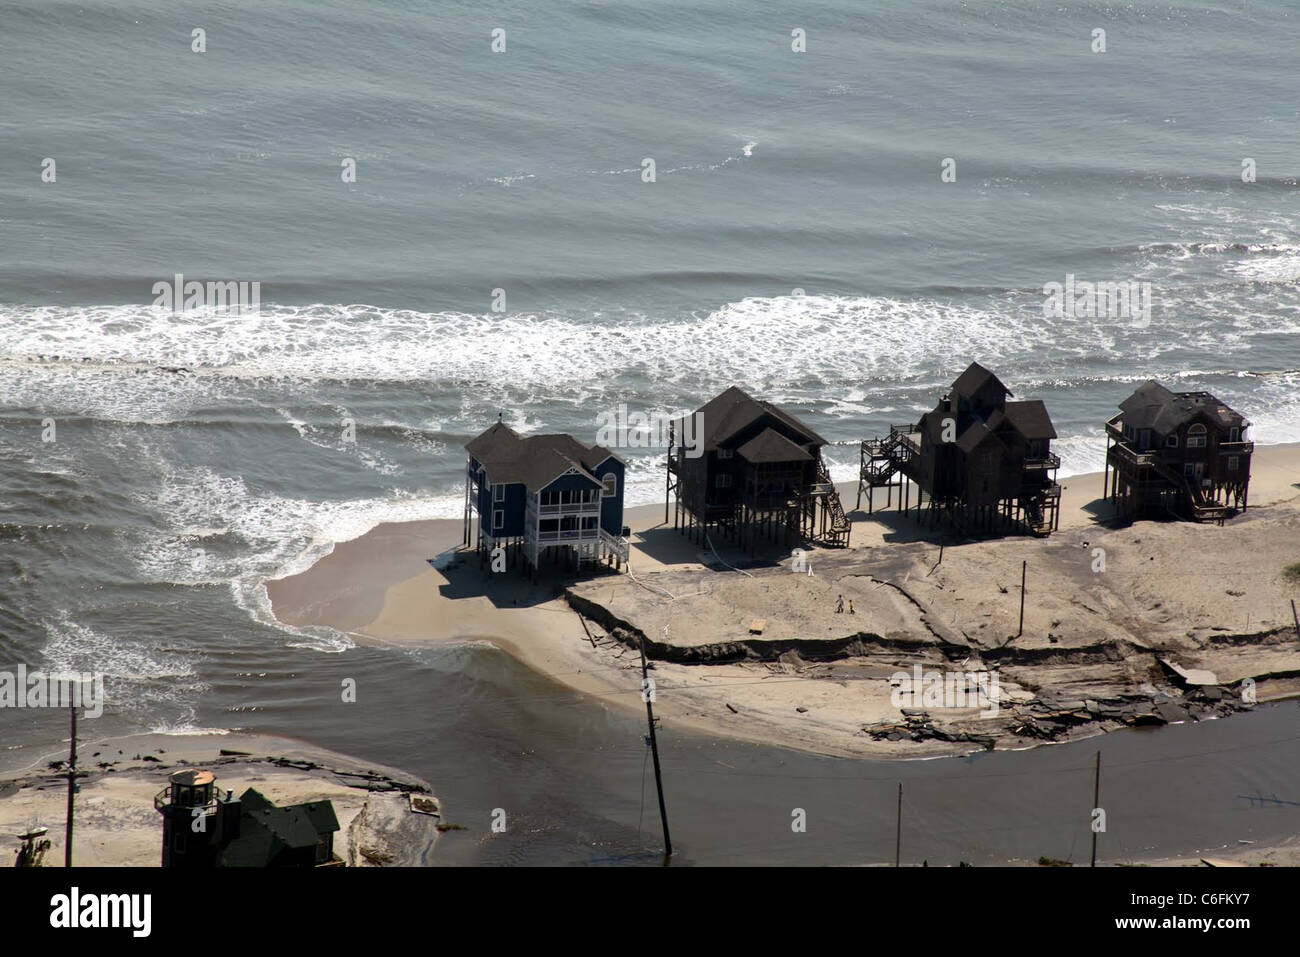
(898,831)
(72,787)
(648,694)
(1296,618)
(1024,566)
(1096,803)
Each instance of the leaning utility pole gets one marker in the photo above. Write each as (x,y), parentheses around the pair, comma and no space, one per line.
(72,787)
(647,693)
(1096,803)
(898,830)
(1024,567)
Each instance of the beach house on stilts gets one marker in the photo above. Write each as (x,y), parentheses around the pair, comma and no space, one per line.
(1176,453)
(982,461)
(751,469)
(542,498)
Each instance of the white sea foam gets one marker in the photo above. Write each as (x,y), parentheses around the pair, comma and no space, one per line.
(758,340)
(138,676)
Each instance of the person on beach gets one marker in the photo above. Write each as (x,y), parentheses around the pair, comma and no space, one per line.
(851,611)
(839,606)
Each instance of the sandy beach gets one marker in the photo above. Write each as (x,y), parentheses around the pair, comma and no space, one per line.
(1100,649)
(116,824)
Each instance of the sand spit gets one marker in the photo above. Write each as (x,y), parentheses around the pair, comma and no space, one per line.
(116,824)
(1119,622)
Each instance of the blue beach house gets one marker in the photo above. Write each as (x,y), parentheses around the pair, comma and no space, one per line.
(544,497)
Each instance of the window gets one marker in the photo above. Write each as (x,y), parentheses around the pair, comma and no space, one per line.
(498,519)
(1196,436)
(1144,439)
(589,523)
(499,492)
(1171,441)
(1234,434)
(1233,462)
(1189,469)
(724,453)
(609,483)
(723,480)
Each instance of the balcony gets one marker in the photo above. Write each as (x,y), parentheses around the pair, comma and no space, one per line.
(164,798)
(1049,461)
(570,535)
(573,508)
(1236,448)
(1126,455)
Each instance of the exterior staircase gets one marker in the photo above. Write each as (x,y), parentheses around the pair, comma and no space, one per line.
(1204,508)
(837,523)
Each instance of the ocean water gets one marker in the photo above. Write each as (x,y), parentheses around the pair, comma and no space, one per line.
(797,240)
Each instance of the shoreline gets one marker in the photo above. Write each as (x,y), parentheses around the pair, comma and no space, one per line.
(382,589)
(116,824)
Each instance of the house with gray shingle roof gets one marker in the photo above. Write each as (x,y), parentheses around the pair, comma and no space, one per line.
(1177,453)
(543,496)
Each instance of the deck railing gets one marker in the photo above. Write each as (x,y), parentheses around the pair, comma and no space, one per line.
(1049,461)
(571,508)
(570,535)
(1133,458)
(164,799)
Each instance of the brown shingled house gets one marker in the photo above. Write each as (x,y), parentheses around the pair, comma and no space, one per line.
(1178,453)
(759,469)
(981,460)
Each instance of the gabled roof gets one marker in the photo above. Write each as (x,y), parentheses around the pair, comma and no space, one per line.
(266,830)
(771,446)
(976,435)
(1152,406)
(534,460)
(733,410)
(540,470)
(1029,417)
(932,425)
(974,378)
(498,440)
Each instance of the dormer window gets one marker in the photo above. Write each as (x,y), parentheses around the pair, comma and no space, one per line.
(724,453)
(1171,441)
(1196,436)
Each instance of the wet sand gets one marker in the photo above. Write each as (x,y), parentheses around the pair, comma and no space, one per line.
(381,589)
